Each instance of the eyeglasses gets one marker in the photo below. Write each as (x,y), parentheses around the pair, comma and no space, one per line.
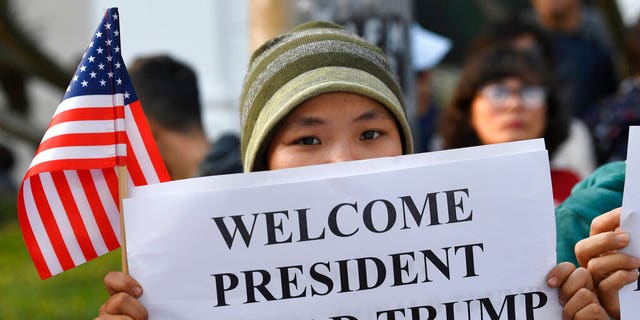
(532,97)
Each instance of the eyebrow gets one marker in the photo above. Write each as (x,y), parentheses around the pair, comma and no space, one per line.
(371,115)
(310,121)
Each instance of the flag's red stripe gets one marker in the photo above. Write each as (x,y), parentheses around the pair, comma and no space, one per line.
(71,208)
(119,112)
(149,142)
(30,239)
(82,139)
(111,178)
(122,161)
(72,164)
(88,113)
(50,224)
(133,167)
(98,210)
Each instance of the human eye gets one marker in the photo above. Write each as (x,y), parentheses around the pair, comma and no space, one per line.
(496,92)
(308,141)
(533,94)
(370,135)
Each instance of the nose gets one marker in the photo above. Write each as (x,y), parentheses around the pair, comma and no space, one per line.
(343,151)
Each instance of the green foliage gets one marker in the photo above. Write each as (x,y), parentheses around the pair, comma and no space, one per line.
(74,294)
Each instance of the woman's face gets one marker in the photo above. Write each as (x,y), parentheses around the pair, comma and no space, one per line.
(334,127)
(508,110)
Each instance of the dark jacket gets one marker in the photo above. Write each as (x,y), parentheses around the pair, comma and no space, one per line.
(223,157)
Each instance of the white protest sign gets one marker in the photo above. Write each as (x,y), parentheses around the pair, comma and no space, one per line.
(443,241)
(630,222)
(335,169)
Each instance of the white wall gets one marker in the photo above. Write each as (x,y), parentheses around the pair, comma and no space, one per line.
(630,11)
(209,35)
(61,28)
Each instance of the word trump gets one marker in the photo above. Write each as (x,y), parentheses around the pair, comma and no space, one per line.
(511,307)
(375,216)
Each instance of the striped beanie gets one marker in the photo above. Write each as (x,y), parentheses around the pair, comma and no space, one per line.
(314,58)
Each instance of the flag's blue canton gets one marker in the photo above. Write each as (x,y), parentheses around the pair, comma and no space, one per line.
(102,70)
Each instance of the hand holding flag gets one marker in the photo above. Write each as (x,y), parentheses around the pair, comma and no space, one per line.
(68,202)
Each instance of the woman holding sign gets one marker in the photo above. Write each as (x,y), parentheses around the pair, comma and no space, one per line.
(320,94)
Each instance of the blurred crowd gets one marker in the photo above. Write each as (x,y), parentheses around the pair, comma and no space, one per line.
(550,71)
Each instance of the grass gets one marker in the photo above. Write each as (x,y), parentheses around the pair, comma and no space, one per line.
(74,294)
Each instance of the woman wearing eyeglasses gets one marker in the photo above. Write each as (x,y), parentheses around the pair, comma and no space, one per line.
(504,95)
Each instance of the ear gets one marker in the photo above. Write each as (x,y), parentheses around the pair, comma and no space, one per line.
(156,128)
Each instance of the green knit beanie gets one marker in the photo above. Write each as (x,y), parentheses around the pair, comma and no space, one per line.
(314,58)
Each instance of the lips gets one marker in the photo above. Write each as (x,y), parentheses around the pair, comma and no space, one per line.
(515,124)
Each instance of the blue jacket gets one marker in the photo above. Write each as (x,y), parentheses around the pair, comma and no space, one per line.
(598,194)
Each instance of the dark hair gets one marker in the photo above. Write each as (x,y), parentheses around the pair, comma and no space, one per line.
(490,65)
(168,91)
(506,31)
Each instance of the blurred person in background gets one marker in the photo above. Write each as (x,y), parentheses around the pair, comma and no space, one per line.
(506,95)
(576,152)
(427,50)
(168,92)
(612,118)
(584,68)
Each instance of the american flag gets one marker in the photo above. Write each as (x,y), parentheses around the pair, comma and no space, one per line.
(68,200)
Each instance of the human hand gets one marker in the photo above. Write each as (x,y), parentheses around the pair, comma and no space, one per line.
(610,269)
(122,303)
(575,288)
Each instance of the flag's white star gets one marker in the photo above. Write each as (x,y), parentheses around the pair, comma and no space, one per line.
(118,81)
(116,33)
(93,74)
(92,59)
(91,44)
(110,74)
(108,42)
(100,50)
(115,16)
(126,95)
(84,83)
(102,82)
(101,66)
(117,49)
(84,55)
(117,65)
(109,58)
(75,78)
(98,34)
(68,88)
(108,25)
(83,68)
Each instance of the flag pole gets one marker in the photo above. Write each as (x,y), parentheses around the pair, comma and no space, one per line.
(122,193)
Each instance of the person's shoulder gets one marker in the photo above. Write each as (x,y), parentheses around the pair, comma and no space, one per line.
(610,175)
(600,192)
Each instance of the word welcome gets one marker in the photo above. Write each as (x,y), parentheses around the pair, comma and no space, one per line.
(376,216)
